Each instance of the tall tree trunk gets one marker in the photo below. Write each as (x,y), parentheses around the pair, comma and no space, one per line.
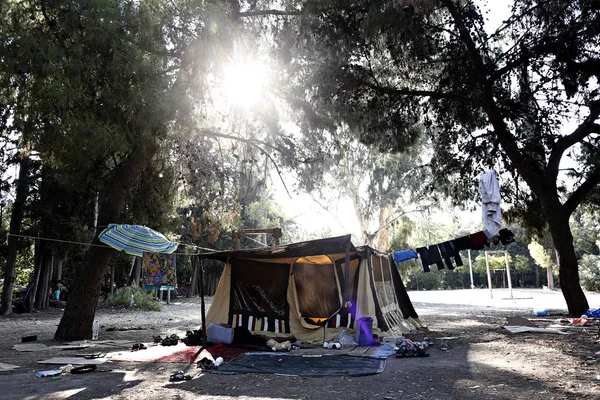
(383,233)
(78,318)
(43,282)
(137,272)
(568,268)
(16,219)
(536,271)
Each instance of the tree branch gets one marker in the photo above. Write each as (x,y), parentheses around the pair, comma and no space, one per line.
(252,142)
(266,13)
(390,91)
(582,191)
(587,127)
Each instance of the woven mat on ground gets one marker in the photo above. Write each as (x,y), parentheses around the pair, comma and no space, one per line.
(174,354)
(298,365)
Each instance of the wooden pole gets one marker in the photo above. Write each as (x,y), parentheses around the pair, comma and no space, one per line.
(508,274)
(489,275)
(112,279)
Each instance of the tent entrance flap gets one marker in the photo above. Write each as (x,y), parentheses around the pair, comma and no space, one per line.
(317,289)
(259,291)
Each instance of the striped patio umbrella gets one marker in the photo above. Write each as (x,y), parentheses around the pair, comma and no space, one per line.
(136,239)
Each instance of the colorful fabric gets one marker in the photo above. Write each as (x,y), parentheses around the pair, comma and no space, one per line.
(158,271)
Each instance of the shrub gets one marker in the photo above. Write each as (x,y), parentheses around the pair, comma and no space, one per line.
(589,272)
(142,299)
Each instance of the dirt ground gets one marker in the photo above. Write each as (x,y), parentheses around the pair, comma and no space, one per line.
(485,362)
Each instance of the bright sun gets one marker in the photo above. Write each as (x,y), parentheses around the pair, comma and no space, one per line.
(244,83)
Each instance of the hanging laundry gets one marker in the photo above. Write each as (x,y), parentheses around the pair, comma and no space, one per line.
(462,243)
(158,271)
(478,240)
(448,250)
(404,255)
(430,255)
(506,236)
(490,202)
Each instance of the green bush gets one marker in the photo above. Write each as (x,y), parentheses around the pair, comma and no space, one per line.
(143,300)
(589,272)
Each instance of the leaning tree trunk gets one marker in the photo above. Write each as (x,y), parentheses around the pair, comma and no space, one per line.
(77,321)
(16,219)
(568,268)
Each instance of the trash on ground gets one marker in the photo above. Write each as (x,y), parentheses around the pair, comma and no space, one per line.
(575,321)
(25,339)
(179,376)
(522,329)
(408,348)
(30,347)
(7,367)
(540,312)
(52,372)
(73,360)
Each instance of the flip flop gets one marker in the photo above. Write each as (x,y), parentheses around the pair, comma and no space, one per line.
(83,369)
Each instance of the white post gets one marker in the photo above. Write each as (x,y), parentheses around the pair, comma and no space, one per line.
(508,273)
(471,269)
(169,295)
(489,275)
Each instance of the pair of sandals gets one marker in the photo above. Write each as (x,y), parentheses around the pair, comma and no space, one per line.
(138,346)
(172,340)
(179,376)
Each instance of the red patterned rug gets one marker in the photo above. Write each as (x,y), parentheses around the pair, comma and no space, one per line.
(178,354)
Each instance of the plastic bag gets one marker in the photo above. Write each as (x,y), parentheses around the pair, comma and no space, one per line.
(345,338)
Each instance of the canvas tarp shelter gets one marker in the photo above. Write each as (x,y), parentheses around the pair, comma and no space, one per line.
(309,289)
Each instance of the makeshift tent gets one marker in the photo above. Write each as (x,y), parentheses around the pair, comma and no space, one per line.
(311,290)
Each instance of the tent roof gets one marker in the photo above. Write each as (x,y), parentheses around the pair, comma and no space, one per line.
(334,248)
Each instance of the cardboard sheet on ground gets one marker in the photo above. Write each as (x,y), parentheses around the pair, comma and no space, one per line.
(521,329)
(298,365)
(518,321)
(175,354)
(74,361)
(30,347)
(7,367)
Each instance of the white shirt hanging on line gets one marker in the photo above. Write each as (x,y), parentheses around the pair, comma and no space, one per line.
(490,202)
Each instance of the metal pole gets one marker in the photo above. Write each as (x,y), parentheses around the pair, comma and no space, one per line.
(489,275)
(471,269)
(508,274)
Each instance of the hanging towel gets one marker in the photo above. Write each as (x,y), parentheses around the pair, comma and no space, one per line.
(158,271)
(404,255)
(430,255)
(448,250)
(490,202)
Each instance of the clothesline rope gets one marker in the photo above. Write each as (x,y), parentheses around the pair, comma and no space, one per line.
(104,246)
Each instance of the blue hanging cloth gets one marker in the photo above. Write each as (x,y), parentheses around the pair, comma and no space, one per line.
(404,255)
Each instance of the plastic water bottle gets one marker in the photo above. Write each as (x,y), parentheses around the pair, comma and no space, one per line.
(95,330)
